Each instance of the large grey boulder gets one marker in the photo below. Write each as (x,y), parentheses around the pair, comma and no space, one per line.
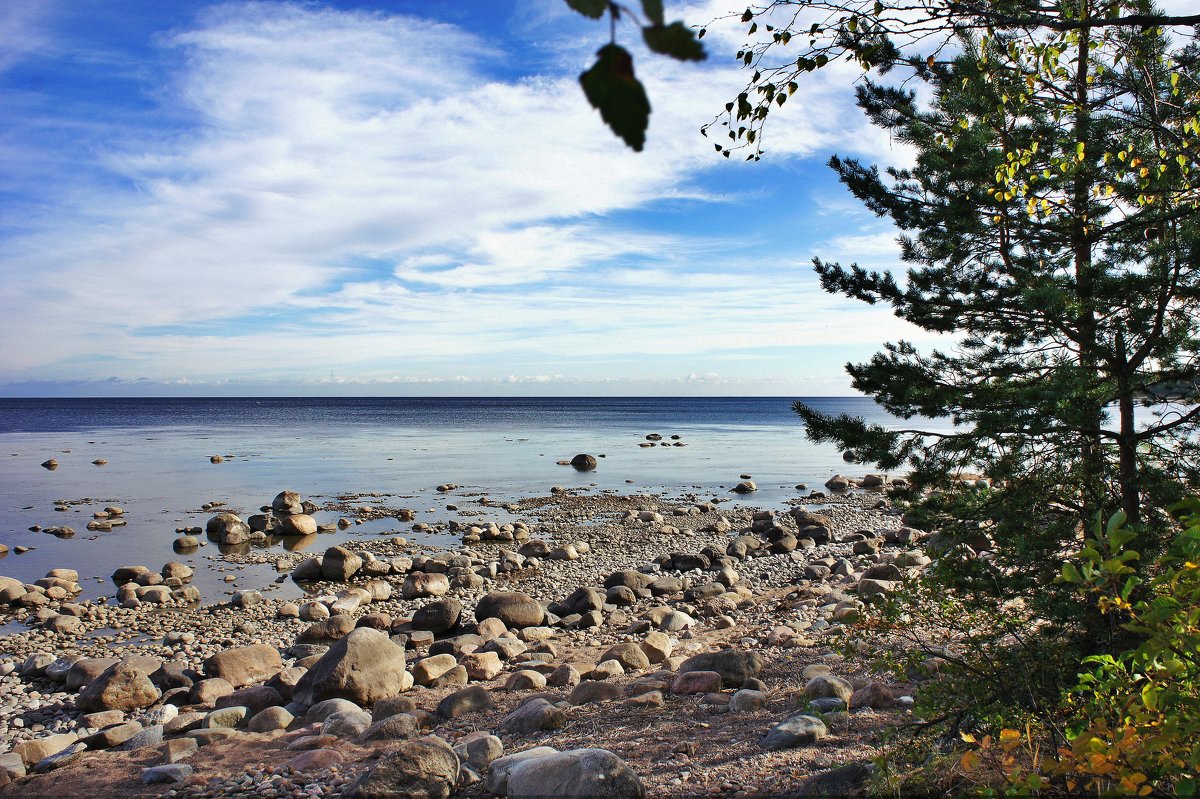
(424,768)
(364,667)
(575,774)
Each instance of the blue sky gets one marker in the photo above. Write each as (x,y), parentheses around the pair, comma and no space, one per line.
(408,198)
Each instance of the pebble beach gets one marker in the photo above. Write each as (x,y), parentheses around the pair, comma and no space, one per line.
(658,636)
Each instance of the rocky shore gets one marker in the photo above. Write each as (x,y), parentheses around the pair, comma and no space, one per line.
(598,645)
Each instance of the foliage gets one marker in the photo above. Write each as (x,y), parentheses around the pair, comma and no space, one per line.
(610,85)
(1129,725)
(788,40)
(1136,715)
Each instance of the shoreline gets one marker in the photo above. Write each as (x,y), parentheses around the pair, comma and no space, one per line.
(616,531)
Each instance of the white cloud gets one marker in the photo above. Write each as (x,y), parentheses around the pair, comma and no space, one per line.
(357,192)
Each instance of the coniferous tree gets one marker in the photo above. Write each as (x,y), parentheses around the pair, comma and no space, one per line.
(1052,231)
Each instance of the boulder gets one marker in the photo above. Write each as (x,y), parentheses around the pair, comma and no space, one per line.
(328,631)
(424,768)
(38,749)
(873,694)
(207,692)
(478,749)
(584,463)
(795,731)
(747,700)
(734,665)
(582,600)
(501,767)
(254,697)
(244,665)
(287,502)
(426,670)
(270,719)
(533,716)
(298,524)
(166,773)
(574,774)
(322,710)
(419,584)
(122,686)
(316,760)
(347,725)
(629,655)
(340,564)
(829,687)
(482,665)
(629,578)
(468,700)
(438,617)
(225,523)
(514,608)
(397,727)
(696,682)
(657,646)
(364,667)
(594,691)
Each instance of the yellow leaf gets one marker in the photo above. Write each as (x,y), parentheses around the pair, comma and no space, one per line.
(967,737)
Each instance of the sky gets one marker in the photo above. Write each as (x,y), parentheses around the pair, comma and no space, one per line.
(394,198)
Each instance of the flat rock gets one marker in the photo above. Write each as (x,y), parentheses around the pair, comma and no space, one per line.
(169,772)
(244,665)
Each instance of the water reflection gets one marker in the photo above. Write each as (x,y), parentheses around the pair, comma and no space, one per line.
(294,543)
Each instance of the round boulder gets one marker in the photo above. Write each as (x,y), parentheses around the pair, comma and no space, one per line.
(364,667)
(298,524)
(287,502)
(438,617)
(584,463)
(122,686)
(514,608)
(423,768)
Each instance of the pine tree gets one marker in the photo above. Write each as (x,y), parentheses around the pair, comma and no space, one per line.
(1051,227)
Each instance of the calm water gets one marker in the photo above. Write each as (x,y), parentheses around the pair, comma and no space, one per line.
(159,471)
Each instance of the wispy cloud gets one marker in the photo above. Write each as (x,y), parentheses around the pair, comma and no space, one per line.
(359,191)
